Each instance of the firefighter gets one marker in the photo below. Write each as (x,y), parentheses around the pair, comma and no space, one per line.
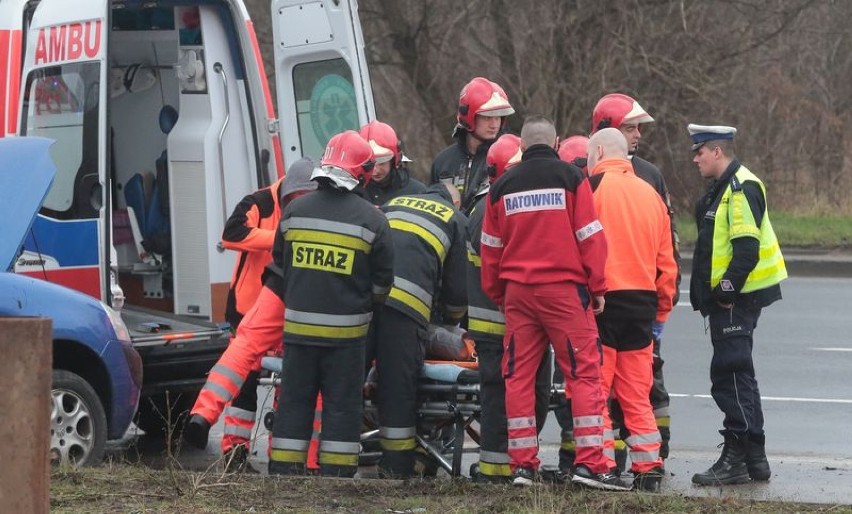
(390,176)
(620,111)
(428,240)
(573,150)
(482,111)
(250,230)
(641,273)
(549,286)
(737,269)
(332,266)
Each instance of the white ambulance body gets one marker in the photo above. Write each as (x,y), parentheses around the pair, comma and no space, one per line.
(163,121)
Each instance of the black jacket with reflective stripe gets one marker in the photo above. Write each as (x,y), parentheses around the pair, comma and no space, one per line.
(485,322)
(334,256)
(428,238)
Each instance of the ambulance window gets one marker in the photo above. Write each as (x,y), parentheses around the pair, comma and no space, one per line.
(61,103)
(325,103)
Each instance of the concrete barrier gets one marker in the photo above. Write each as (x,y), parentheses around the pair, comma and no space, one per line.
(26,356)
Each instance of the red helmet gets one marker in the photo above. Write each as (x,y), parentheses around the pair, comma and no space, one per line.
(502,155)
(483,97)
(573,148)
(382,138)
(615,109)
(351,153)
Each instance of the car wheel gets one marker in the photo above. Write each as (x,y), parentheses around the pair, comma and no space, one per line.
(78,427)
(159,413)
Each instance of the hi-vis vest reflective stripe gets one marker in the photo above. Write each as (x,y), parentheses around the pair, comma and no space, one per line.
(336,326)
(733,220)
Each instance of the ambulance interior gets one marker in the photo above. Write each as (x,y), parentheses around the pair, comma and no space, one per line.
(162,115)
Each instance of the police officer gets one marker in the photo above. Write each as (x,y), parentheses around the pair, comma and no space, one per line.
(390,176)
(482,110)
(428,240)
(334,261)
(737,268)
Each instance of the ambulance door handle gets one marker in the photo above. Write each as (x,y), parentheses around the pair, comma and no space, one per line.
(217,67)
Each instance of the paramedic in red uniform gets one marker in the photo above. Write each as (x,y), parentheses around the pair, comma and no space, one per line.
(543,252)
(641,275)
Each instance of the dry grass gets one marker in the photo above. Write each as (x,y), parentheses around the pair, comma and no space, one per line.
(137,489)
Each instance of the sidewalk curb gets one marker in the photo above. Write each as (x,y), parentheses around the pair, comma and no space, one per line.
(800,262)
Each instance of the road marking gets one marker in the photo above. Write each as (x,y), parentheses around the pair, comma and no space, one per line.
(773,398)
(832,349)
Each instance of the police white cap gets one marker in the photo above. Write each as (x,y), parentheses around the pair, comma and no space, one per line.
(700,134)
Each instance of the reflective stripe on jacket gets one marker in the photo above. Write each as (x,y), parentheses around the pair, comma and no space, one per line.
(429,268)
(736,221)
(335,256)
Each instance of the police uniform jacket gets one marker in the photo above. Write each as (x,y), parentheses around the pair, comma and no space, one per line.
(485,322)
(465,171)
(401,183)
(333,260)
(541,227)
(749,240)
(428,239)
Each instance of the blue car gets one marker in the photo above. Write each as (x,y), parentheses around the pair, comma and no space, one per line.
(97,374)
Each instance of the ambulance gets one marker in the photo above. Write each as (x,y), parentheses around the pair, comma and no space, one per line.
(163,120)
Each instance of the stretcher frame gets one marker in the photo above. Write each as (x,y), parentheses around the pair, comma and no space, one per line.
(445,415)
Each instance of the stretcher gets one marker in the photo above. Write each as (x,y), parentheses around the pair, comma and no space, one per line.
(448,413)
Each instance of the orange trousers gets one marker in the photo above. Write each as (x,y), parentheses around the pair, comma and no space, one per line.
(259,333)
(628,376)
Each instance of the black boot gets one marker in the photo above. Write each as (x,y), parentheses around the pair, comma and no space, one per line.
(758,466)
(197,431)
(731,467)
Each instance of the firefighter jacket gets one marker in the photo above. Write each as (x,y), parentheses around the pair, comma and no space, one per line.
(465,171)
(428,239)
(251,231)
(485,322)
(640,270)
(334,255)
(737,256)
(400,183)
(541,227)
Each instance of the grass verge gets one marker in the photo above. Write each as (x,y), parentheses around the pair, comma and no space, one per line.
(137,489)
(796,230)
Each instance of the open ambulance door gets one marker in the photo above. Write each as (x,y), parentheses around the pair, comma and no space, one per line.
(64,98)
(323,85)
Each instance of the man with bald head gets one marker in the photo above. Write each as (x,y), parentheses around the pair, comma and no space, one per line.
(543,252)
(641,274)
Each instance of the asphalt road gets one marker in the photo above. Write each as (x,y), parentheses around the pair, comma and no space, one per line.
(803,358)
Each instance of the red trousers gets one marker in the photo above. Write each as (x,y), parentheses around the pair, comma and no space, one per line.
(259,333)
(559,313)
(628,376)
